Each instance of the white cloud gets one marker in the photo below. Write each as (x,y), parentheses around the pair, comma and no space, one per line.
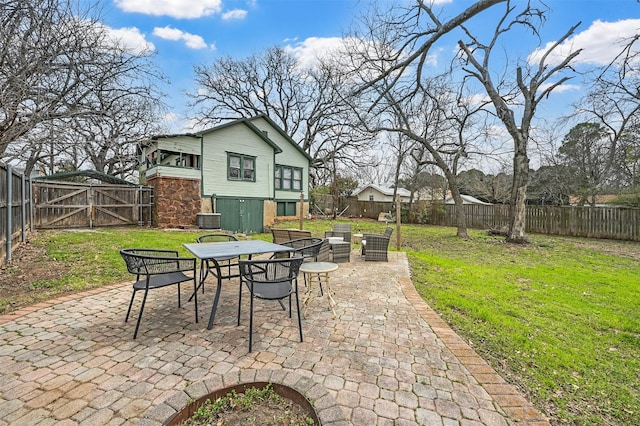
(181,9)
(308,51)
(601,42)
(235,14)
(192,41)
(130,39)
(561,88)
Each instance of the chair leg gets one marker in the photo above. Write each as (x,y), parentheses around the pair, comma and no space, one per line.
(179,302)
(144,299)
(251,323)
(239,301)
(282,305)
(195,295)
(299,315)
(130,305)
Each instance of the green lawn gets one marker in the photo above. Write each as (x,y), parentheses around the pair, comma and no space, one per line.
(560,317)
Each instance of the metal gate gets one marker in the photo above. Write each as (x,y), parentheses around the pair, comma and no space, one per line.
(241,214)
(78,205)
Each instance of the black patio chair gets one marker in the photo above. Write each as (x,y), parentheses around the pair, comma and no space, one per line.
(307,248)
(311,249)
(155,268)
(272,279)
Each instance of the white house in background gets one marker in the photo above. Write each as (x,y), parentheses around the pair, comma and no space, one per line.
(380,192)
(466,199)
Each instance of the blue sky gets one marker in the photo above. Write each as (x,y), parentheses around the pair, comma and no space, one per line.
(188,32)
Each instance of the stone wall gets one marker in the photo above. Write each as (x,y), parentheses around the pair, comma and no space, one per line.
(176,201)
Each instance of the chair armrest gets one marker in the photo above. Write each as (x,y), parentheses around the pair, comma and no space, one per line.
(346,236)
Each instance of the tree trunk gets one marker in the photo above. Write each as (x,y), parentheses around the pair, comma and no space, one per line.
(518,215)
(461,219)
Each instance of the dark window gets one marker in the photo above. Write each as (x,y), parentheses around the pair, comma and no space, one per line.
(241,167)
(288,178)
(286,208)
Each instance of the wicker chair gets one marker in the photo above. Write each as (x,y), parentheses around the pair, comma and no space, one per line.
(375,246)
(342,230)
(156,269)
(341,252)
(273,279)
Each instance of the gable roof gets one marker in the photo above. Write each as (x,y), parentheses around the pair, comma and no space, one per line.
(247,123)
(383,189)
(466,199)
(282,133)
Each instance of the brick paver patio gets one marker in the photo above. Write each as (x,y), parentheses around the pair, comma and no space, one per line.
(387,359)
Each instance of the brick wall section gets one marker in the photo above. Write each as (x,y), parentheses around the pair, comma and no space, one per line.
(177,201)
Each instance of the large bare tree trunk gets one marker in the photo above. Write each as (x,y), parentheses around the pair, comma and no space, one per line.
(518,214)
(461,218)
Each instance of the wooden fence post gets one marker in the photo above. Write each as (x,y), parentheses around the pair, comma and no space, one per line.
(301,209)
(398,221)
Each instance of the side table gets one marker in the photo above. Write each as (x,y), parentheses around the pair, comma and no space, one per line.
(341,251)
(318,272)
(356,238)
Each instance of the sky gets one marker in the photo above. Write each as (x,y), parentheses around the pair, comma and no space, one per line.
(184,33)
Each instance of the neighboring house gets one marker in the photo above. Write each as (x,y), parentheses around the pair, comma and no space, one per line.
(466,199)
(379,192)
(248,170)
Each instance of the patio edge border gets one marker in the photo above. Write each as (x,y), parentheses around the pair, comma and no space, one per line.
(510,400)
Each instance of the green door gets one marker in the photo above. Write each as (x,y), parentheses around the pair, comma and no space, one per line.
(241,214)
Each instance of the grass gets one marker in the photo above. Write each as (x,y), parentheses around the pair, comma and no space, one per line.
(559,318)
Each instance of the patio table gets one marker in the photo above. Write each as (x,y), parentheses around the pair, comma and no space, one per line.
(221,250)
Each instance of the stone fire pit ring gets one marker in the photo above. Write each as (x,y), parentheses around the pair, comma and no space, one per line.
(324,404)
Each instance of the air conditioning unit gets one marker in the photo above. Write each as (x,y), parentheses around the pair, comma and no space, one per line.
(208,220)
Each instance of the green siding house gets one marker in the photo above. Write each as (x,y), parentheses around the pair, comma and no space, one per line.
(248,171)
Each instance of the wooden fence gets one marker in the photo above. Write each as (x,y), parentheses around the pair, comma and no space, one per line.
(620,223)
(15,210)
(80,205)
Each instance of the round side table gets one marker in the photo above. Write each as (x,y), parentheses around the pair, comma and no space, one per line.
(356,238)
(318,272)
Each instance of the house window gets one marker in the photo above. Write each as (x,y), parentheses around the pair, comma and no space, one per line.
(286,208)
(172,159)
(288,178)
(241,167)
(371,197)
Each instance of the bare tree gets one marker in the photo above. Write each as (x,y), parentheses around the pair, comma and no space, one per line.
(435,120)
(532,86)
(412,34)
(268,83)
(59,66)
(614,101)
(309,103)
